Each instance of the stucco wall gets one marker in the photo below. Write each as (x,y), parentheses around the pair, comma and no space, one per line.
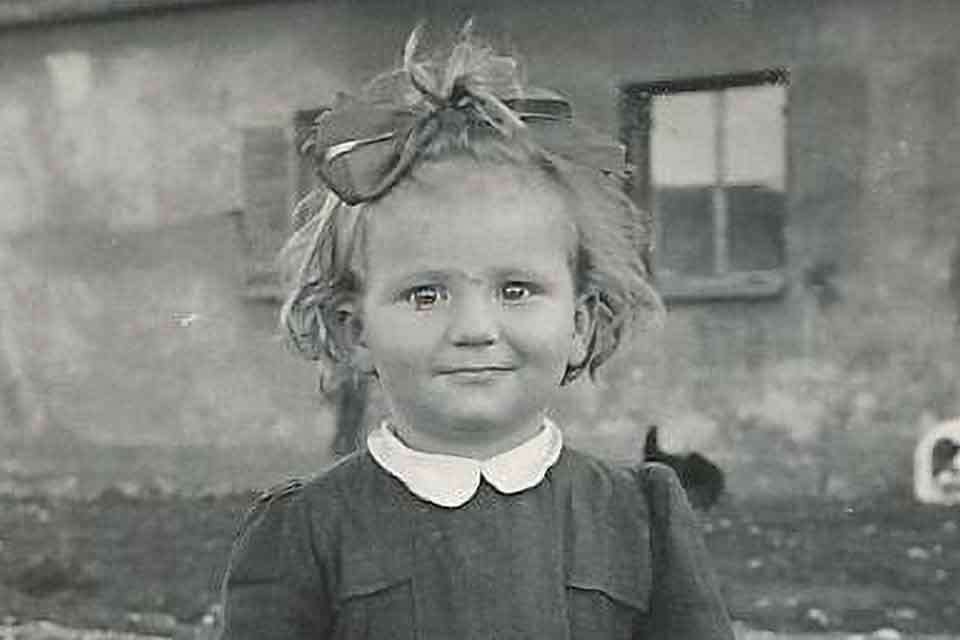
(128,133)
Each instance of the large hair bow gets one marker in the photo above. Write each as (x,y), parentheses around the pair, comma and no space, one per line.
(361,149)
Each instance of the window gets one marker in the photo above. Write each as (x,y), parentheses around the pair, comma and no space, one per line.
(275,176)
(711,166)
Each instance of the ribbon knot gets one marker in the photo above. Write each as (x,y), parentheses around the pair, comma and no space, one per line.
(363,147)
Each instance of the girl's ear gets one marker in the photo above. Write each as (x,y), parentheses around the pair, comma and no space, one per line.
(350,336)
(584,323)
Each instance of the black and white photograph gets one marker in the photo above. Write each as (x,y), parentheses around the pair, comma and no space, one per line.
(495,320)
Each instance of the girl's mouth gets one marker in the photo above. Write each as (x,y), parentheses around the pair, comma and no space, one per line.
(468,368)
(475,374)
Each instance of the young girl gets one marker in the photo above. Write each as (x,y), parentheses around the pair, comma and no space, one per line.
(473,272)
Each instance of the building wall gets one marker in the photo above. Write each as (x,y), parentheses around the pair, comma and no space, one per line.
(130,132)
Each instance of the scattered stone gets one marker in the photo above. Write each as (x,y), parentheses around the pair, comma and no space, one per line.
(35,512)
(818,617)
(755,563)
(950,526)
(210,625)
(112,495)
(25,486)
(743,632)
(918,553)
(213,616)
(870,529)
(887,633)
(45,630)
(157,488)
(219,490)
(153,622)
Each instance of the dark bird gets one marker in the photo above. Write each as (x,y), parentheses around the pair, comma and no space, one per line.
(702,479)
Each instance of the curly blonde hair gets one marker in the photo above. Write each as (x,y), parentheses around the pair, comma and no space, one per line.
(325,255)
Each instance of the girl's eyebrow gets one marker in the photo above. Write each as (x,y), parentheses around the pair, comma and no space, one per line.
(521,273)
(410,278)
(440,276)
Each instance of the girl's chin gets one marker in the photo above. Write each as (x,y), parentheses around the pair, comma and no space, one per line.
(479,425)
(476,428)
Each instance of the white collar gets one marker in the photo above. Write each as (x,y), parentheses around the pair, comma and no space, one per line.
(450,481)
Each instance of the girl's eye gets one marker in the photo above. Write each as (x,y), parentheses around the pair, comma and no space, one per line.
(515,292)
(426,296)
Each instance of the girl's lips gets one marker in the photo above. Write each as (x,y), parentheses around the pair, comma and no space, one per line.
(475,374)
(473,369)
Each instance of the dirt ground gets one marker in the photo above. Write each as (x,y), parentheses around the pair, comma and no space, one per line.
(152,563)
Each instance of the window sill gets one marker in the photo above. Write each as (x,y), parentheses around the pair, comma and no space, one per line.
(741,285)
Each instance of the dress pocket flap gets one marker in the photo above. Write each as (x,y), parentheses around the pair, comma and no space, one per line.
(620,588)
(367,571)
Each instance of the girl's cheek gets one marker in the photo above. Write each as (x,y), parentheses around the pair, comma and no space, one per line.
(542,323)
(407,319)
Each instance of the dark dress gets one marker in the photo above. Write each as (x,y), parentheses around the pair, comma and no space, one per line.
(593,551)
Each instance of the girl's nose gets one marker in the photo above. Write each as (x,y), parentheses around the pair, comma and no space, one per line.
(474,320)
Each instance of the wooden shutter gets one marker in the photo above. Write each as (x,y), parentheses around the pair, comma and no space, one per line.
(267,153)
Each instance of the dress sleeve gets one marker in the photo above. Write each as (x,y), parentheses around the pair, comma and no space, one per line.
(685,602)
(274,587)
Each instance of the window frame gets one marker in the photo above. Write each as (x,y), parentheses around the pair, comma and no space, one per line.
(636,113)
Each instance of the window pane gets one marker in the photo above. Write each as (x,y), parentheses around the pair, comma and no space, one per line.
(732,139)
(682,139)
(755,228)
(686,229)
(755,136)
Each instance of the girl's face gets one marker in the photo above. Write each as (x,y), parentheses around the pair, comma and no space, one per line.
(469,314)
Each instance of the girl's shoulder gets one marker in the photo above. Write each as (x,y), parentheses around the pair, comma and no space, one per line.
(644,497)
(350,482)
(619,512)
(638,483)
(323,492)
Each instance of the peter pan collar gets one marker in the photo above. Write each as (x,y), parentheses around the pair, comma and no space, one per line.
(450,481)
